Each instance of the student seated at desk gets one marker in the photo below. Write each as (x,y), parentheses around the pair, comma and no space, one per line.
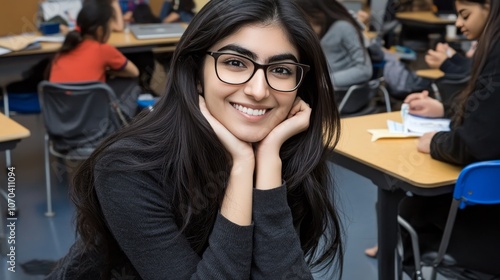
(341,40)
(474,137)
(227,177)
(85,56)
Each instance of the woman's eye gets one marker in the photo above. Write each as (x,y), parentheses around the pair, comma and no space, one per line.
(234,63)
(281,70)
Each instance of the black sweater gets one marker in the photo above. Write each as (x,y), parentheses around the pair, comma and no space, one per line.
(137,211)
(478,137)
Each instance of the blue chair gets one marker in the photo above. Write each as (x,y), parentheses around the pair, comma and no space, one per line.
(478,183)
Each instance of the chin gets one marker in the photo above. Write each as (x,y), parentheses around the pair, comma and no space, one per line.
(250,137)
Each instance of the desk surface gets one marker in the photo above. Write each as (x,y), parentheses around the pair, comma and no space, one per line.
(432,74)
(396,157)
(11,130)
(117,39)
(423,17)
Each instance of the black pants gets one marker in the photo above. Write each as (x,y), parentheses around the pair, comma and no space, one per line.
(475,240)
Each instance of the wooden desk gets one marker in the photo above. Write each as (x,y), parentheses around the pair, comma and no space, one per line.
(432,74)
(14,64)
(395,167)
(427,18)
(10,133)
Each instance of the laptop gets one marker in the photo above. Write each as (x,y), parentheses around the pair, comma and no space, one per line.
(157,30)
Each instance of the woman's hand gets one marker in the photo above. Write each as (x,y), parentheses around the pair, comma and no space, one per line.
(238,149)
(435,58)
(424,142)
(296,122)
(422,105)
(268,161)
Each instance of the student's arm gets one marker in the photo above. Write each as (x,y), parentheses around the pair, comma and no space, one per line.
(477,138)
(172,17)
(128,71)
(117,23)
(277,253)
(360,69)
(137,210)
(118,64)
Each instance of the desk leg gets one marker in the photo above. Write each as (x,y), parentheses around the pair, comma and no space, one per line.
(387,214)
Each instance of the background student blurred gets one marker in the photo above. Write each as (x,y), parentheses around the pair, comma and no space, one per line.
(85,56)
(177,11)
(341,40)
(474,137)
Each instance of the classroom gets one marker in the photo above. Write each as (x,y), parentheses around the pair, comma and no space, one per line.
(139,139)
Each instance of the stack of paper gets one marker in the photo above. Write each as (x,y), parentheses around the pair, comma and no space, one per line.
(412,126)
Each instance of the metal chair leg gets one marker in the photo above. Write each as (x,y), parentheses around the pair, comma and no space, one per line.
(49,212)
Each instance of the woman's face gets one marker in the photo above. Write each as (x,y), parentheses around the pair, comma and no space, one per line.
(471,18)
(250,110)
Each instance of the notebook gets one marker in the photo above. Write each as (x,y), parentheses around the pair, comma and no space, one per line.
(157,30)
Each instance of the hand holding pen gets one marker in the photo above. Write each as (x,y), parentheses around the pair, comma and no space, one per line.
(421,104)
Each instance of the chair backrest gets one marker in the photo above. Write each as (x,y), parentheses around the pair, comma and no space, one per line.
(78,115)
(357,97)
(450,86)
(479,183)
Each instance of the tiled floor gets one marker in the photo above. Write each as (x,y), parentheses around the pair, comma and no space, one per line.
(39,237)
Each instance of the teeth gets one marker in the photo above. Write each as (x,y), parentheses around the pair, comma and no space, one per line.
(249,111)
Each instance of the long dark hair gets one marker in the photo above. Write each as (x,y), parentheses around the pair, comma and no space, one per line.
(327,12)
(94,14)
(486,41)
(177,139)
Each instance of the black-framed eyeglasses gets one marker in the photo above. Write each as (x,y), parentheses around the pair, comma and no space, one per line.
(235,69)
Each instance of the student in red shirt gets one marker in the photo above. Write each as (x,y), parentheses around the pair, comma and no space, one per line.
(85,55)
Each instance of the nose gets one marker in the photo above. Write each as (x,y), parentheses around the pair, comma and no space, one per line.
(459,22)
(257,86)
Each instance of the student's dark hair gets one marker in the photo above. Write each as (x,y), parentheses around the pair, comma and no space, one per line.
(94,14)
(177,139)
(326,12)
(489,37)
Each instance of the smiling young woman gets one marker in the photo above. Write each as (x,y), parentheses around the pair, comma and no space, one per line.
(227,177)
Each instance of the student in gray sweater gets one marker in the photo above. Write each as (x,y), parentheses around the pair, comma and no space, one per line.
(227,177)
(342,42)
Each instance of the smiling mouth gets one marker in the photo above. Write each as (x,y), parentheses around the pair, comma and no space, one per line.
(249,111)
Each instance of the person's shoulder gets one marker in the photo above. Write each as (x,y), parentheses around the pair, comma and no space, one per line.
(122,153)
(343,25)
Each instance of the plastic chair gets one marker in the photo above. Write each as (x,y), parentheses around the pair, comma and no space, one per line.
(359,99)
(478,183)
(78,116)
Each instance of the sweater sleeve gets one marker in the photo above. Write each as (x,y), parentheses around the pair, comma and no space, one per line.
(457,65)
(347,57)
(477,137)
(277,253)
(138,214)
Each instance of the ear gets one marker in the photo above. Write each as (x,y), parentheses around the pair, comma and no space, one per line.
(99,33)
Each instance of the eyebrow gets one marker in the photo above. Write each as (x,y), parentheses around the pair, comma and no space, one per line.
(252,55)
